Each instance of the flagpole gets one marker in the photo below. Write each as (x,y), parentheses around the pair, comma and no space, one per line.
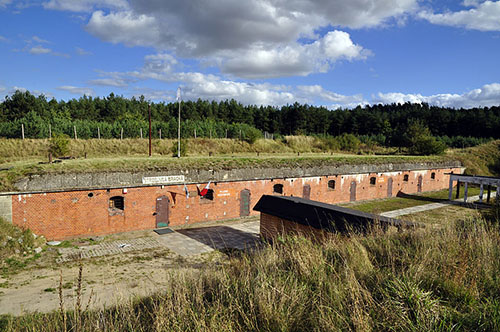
(149,115)
(179,126)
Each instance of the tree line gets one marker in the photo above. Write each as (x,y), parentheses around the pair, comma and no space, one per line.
(385,123)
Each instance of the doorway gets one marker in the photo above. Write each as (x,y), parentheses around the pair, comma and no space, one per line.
(353,191)
(306,191)
(245,203)
(419,185)
(389,187)
(162,211)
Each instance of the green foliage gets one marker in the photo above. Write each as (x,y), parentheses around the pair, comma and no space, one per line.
(251,135)
(348,142)
(420,141)
(59,145)
(175,148)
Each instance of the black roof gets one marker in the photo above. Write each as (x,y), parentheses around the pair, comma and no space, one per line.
(319,215)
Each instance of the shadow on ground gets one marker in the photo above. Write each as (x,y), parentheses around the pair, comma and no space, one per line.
(223,237)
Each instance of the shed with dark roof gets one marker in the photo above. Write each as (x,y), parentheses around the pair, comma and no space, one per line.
(283,214)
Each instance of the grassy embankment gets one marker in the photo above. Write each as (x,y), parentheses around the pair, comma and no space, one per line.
(20,158)
(442,279)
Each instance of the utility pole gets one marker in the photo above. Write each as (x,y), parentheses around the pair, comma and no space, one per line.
(179,126)
(149,112)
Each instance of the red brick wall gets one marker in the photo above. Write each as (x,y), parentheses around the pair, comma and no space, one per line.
(74,214)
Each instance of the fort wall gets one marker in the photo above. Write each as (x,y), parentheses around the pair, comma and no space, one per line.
(61,213)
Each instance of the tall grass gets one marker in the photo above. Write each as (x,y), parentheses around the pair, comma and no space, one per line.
(427,280)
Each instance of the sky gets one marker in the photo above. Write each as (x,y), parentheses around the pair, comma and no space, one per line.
(334,53)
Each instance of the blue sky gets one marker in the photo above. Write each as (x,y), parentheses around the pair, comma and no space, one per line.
(336,53)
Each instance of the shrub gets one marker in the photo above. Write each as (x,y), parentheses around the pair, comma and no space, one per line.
(59,145)
(175,147)
(348,142)
(251,135)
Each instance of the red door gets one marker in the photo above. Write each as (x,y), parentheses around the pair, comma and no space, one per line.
(162,211)
(353,191)
(306,192)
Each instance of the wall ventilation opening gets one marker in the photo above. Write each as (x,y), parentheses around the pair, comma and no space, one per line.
(90,195)
(433,176)
(331,184)
(373,180)
(117,202)
(278,189)
(405,178)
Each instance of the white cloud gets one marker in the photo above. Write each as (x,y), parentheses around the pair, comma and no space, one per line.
(4,3)
(487,95)
(84,5)
(39,40)
(3,39)
(253,38)
(82,52)
(484,16)
(40,50)
(337,100)
(295,59)
(77,90)
(37,50)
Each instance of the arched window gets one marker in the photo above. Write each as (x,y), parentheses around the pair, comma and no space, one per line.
(373,180)
(405,178)
(278,189)
(433,176)
(209,195)
(331,184)
(117,202)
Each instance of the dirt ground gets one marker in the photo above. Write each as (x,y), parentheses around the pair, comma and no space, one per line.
(106,281)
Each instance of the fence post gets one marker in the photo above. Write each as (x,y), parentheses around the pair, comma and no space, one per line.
(194,132)
(74,129)
(226,133)
(22,130)
(141,133)
(50,131)
(159,133)
(210,133)
(98,133)
(121,134)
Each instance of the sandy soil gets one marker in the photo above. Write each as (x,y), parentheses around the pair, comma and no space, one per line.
(106,281)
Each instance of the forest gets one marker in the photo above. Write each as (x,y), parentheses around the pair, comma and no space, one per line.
(113,116)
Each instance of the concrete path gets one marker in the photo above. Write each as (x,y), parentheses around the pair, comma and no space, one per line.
(185,242)
(427,207)
(195,241)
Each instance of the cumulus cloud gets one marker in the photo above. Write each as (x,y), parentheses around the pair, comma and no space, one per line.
(295,59)
(254,38)
(483,16)
(336,99)
(37,50)
(487,95)
(84,5)
(4,3)
(40,50)
(76,90)
(3,39)
(82,52)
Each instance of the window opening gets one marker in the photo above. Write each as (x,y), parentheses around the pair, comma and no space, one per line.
(331,184)
(405,178)
(117,202)
(373,180)
(433,176)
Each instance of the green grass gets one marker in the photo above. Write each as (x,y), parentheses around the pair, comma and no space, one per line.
(442,279)
(396,203)
(483,159)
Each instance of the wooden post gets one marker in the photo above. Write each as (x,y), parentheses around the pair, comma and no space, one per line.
(450,190)
(488,197)
(194,132)
(466,188)
(50,157)
(481,192)
(141,133)
(149,114)
(50,131)
(240,134)
(159,133)
(498,195)
(74,129)
(226,133)
(121,134)
(210,133)
(458,189)
(22,130)
(98,133)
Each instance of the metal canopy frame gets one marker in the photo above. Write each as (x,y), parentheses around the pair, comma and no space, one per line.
(482,181)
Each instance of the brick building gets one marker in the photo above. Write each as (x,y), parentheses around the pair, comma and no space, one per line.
(68,206)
